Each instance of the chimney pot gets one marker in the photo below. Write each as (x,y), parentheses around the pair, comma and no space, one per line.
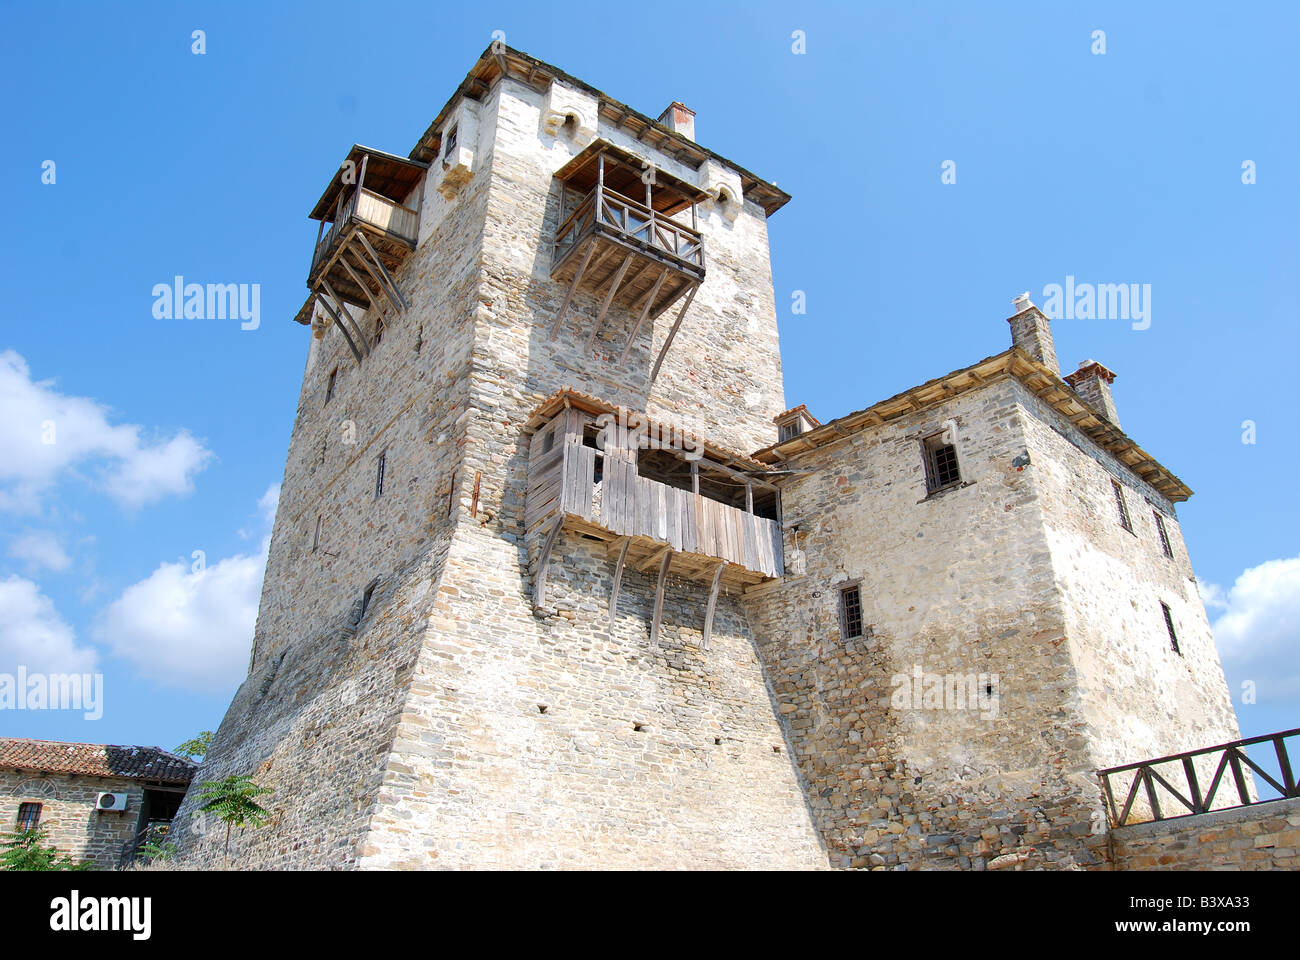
(1092,383)
(1031,332)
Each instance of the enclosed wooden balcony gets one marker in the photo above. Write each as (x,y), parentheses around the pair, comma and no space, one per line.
(711,519)
(369,224)
(628,235)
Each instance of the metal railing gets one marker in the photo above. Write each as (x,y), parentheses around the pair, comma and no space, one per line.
(634,220)
(1232,758)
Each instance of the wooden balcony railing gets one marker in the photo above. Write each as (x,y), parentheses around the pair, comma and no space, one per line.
(635,221)
(1181,768)
(630,505)
(366,207)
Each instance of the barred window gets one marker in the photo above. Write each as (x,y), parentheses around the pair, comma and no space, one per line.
(1164,534)
(29,816)
(940,464)
(851,611)
(1169,625)
(1124,520)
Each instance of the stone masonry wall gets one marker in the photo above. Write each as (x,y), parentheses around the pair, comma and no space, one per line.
(959,584)
(519,746)
(1263,837)
(68,816)
(1140,698)
(722,376)
(316,717)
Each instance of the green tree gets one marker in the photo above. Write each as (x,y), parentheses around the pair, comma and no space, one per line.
(234,801)
(27,851)
(198,747)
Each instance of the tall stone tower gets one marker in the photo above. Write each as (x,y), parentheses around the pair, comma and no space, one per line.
(555,580)
(500,624)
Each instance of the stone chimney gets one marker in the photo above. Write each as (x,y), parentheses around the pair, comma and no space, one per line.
(679,118)
(1092,383)
(1031,332)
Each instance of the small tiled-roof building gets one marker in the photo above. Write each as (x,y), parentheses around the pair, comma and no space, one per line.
(60,787)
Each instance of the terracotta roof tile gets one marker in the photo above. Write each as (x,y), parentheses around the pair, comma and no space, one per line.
(96,760)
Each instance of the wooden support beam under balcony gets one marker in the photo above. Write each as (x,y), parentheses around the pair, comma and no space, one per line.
(627,235)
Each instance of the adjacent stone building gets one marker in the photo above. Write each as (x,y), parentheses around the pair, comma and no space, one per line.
(557,581)
(95,802)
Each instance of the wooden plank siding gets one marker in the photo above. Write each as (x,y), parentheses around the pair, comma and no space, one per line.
(562,480)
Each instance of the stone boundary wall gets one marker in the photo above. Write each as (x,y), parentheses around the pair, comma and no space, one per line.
(1261,837)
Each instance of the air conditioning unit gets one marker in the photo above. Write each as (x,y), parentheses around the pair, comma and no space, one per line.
(111,801)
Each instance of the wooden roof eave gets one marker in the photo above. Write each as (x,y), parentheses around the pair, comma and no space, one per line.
(718,456)
(377,169)
(589,154)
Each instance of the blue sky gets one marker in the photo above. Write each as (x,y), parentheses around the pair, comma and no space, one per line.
(1122,167)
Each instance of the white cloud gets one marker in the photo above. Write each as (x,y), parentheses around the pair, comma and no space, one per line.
(32,634)
(1258,633)
(39,550)
(46,435)
(188,628)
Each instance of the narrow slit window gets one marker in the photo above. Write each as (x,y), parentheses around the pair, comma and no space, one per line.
(1164,534)
(367,597)
(329,387)
(1124,520)
(1169,625)
(941,468)
(315,540)
(379,475)
(29,816)
(851,611)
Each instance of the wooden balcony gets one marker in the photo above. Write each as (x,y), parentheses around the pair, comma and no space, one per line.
(370,234)
(622,227)
(604,495)
(624,240)
(392,229)
(700,530)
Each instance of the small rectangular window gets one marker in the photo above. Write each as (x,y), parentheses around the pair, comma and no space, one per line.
(788,431)
(1164,534)
(940,464)
(451,141)
(1124,520)
(851,611)
(379,475)
(29,816)
(329,388)
(1169,625)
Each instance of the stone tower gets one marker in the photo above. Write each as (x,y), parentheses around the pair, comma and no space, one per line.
(555,580)
(996,603)
(542,345)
